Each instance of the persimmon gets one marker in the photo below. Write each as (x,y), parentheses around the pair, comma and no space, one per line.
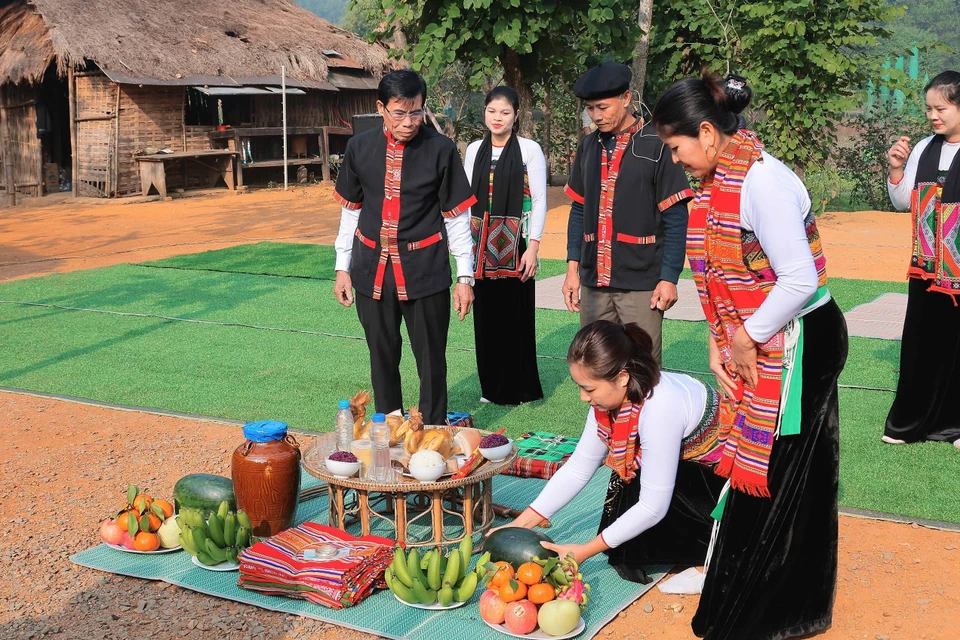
(166,506)
(529,573)
(511,591)
(146,542)
(504,574)
(541,593)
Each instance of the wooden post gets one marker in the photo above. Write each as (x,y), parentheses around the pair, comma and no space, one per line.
(547,130)
(8,180)
(283,88)
(72,92)
(114,188)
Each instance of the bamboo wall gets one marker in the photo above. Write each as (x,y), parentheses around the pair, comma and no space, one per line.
(150,118)
(21,125)
(315,109)
(95,112)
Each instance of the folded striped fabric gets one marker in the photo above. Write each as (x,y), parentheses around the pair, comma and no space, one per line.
(276,566)
(541,454)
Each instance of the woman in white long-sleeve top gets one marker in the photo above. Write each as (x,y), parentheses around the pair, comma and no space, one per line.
(658,434)
(777,345)
(509,179)
(925,407)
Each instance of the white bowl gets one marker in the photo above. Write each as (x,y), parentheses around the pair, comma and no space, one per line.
(428,474)
(497,454)
(342,469)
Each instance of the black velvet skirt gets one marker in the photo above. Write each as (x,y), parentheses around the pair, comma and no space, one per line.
(504,325)
(773,574)
(926,406)
(681,538)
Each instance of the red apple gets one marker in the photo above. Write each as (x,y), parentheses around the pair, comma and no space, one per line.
(126,540)
(521,617)
(492,607)
(110,532)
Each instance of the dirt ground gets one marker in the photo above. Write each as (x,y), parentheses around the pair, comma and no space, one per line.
(64,466)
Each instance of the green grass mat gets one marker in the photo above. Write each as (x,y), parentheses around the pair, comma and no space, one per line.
(381,613)
(246,371)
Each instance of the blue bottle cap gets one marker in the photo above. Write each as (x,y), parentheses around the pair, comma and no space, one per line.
(379,417)
(344,404)
(265,431)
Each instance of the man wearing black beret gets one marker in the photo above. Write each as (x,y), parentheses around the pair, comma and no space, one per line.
(626,237)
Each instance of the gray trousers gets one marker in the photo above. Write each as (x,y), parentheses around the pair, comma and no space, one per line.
(622,306)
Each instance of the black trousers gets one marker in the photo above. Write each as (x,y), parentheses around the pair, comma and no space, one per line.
(428,321)
(926,406)
(774,569)
(504,325)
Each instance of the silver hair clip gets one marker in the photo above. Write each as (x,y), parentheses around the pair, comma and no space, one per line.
(736,85)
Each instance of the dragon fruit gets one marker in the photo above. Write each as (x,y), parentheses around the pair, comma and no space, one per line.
(578,591)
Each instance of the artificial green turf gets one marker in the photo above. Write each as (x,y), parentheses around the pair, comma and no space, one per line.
(250,373)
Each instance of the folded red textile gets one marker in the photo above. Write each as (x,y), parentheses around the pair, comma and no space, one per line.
(276,566)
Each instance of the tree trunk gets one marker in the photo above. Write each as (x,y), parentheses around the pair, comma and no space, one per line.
(642,50)
(399,40)
(513,76)
(547,122)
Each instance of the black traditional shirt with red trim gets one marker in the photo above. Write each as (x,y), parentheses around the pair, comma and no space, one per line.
(403,191)
(633,202)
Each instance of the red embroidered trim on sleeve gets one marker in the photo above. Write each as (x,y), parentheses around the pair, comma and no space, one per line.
(674,199)
(576,197)
(346,204)
(460,208)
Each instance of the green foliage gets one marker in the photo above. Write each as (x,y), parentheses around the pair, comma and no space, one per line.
(863,159)
(806,60)
(550,38)
(363,17)
(930,25)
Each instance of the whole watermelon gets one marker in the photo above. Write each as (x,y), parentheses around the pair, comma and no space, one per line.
(516,545)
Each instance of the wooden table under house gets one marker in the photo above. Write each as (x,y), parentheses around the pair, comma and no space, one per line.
(450,509)
(219,164)
(240,138)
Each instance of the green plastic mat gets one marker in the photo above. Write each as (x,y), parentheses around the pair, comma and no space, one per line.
(381,613)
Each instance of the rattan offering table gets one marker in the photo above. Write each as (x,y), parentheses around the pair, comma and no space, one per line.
(453,508)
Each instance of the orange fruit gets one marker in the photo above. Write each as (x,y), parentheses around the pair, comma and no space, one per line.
(146,542)
(541,593)
(529,573)
(122,519)
(509,594)
(503,574)
(142,502)
(166,506)
(155,522)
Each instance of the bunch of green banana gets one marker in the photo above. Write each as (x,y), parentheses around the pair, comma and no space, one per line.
(218,538)
(434,578)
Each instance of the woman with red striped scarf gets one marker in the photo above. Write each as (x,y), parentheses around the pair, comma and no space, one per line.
(658,434)
(778,343)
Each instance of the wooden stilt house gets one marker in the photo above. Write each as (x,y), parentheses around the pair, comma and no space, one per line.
(89,86)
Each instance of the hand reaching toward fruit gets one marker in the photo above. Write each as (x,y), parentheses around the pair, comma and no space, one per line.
(580,552)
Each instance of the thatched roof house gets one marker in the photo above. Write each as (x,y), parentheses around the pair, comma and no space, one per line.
(87,84)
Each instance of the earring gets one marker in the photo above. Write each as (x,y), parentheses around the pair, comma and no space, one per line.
(716,151)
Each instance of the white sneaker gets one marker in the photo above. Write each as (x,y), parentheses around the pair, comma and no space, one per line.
(956,443)
(484,400)
(890,440)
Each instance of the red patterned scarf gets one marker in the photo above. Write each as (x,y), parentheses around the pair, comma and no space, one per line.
(620,432)
(730,293)
(609,172)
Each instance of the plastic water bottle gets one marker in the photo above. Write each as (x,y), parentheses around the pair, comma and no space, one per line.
(380,468)
(343,425)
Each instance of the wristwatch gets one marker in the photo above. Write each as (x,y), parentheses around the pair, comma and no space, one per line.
(468,280)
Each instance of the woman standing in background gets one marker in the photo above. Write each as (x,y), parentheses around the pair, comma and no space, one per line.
(928,183)
(509,178)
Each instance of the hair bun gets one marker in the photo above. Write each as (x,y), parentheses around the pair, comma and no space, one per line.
(738,93)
